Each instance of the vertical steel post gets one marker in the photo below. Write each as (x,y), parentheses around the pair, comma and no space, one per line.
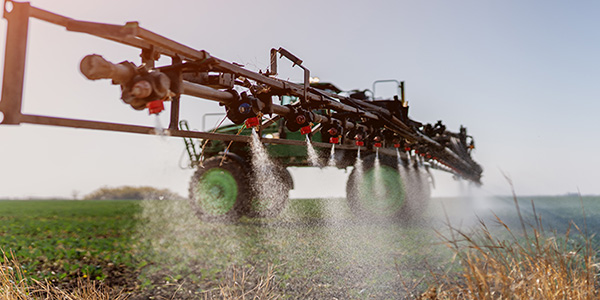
(306,83)
(14,60)
(273,70)
(402,92)
(176,88)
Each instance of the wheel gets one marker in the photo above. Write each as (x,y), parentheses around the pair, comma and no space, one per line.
(384,190)
(218,191)
(271,185)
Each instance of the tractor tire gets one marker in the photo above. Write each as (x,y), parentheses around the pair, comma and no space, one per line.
(268,201)
(218,191)
(392,194)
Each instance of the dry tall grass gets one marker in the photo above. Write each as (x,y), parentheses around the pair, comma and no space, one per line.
(15,286)
(238,286)
(527,265)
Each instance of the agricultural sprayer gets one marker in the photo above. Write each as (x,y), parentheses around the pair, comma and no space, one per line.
(284,116)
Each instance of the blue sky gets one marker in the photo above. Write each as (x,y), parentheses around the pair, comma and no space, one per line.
(521,75)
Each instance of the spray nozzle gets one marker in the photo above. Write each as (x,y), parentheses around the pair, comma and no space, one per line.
(306,130)
(252,122)
(377,139)
(358,138)
(333,131)
(155,107)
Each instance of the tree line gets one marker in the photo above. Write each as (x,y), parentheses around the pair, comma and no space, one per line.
(130,193)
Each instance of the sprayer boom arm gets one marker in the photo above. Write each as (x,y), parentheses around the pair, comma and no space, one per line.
(246,94)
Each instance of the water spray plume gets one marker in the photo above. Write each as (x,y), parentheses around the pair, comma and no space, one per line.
(158,128)
(358,166)
(379,188)
(313,157)
(359,169)
(331,162)
(270,190)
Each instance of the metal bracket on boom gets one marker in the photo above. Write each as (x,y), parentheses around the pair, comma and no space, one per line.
(296,62)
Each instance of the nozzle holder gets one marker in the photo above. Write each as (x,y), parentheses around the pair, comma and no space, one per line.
(331,132)
(298,119)
(145,88)
(375,139)
(358,135)
(240,110)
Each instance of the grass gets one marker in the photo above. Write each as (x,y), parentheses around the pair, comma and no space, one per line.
(159,248)
(62,241)
(238,286)
(531,263)
(15,285)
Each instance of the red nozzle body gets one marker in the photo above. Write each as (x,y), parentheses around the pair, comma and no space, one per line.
(305,130)
(155,107)
(252,122)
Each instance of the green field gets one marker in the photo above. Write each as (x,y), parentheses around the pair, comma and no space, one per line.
(317,248)
(64,240)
